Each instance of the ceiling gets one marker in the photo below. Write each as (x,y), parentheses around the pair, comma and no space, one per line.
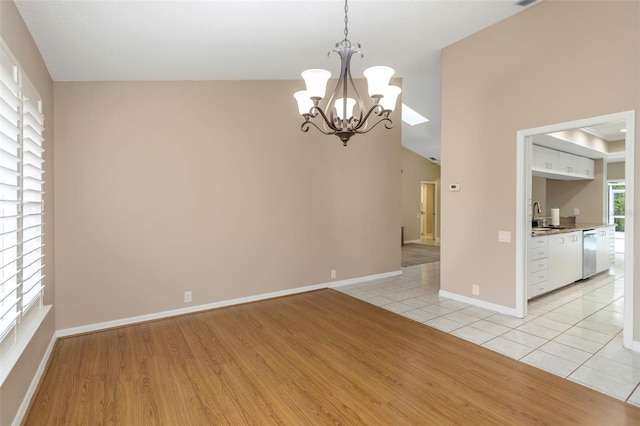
(580,141)
(609,132)
(118,40)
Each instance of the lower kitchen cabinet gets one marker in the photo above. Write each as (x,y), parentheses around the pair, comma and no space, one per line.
(605,248)
(538,279)
(555,260)
(565,259)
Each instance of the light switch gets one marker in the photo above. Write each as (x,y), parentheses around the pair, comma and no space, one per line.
(504,236)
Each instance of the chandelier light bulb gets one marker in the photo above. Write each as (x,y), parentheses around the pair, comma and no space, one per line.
(378,79)
(339,104)
(390,97)
(316,82)
(304,101)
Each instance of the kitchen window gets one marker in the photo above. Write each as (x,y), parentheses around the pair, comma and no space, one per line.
(21,200)
(616,205)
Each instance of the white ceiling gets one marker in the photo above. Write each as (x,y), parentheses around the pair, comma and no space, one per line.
(609,131)
(577,143)
(100,40)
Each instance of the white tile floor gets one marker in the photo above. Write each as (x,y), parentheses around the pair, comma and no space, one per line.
(575,332)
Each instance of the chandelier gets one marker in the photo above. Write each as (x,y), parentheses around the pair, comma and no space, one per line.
(338,117)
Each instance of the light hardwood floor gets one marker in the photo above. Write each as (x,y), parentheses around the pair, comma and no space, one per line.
(315,358)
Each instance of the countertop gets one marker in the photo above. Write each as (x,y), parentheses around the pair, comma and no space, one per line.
(538,232)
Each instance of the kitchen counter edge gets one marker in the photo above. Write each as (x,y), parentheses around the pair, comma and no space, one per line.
(580,227)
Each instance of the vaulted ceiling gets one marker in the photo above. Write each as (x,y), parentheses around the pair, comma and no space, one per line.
(111,40)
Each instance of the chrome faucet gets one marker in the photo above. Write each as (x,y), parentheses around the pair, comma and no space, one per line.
(536,209)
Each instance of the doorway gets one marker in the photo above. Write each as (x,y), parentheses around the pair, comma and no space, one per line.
(428,216)
(524,209)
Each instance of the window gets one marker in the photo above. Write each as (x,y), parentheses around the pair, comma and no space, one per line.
(21,198)
(616,205)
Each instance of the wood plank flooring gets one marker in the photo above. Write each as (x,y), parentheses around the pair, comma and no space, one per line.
(315,358)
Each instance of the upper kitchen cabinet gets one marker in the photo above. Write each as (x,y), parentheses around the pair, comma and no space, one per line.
(586,167)
(545,160)
(567,163)
(554,164)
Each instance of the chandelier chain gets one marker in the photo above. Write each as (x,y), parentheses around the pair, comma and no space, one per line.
(346,21)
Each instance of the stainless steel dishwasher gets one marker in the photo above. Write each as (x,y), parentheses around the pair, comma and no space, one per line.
(589,248)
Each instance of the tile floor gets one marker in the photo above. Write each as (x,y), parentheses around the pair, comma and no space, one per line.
(574,332)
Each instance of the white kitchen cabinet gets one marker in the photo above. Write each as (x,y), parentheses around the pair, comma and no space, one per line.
(586,167)
(567,163)
(538,268)
(552,164)
(545,159)
(605,248)
(565,259)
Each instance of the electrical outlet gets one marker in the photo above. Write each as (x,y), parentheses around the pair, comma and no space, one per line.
(504,236)
(187,297)
(333,273)
(475,289)
(576,211)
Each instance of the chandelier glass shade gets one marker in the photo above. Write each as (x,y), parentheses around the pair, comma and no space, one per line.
(345,113)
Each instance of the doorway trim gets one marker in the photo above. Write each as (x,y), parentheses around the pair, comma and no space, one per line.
(523,210)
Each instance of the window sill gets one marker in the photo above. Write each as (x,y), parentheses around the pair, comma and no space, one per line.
(28,329)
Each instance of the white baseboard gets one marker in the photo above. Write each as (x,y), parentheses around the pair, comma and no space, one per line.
(412,241)
(342,283)
(165,314)
(479,303)
(24,406)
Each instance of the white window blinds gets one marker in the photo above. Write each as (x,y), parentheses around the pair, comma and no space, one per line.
(21,196)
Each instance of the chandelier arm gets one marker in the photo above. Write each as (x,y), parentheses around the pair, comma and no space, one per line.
(377,110)
(386,120)
(358,98)
(339,49)
(305,128)
(317,110)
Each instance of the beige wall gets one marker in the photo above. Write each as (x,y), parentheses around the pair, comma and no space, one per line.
(616,146)
(15,35)
(533,69)
(539,195)
(615,170)
(210,187)
(416,169)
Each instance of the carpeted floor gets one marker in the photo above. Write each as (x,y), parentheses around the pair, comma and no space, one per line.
(417,254)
